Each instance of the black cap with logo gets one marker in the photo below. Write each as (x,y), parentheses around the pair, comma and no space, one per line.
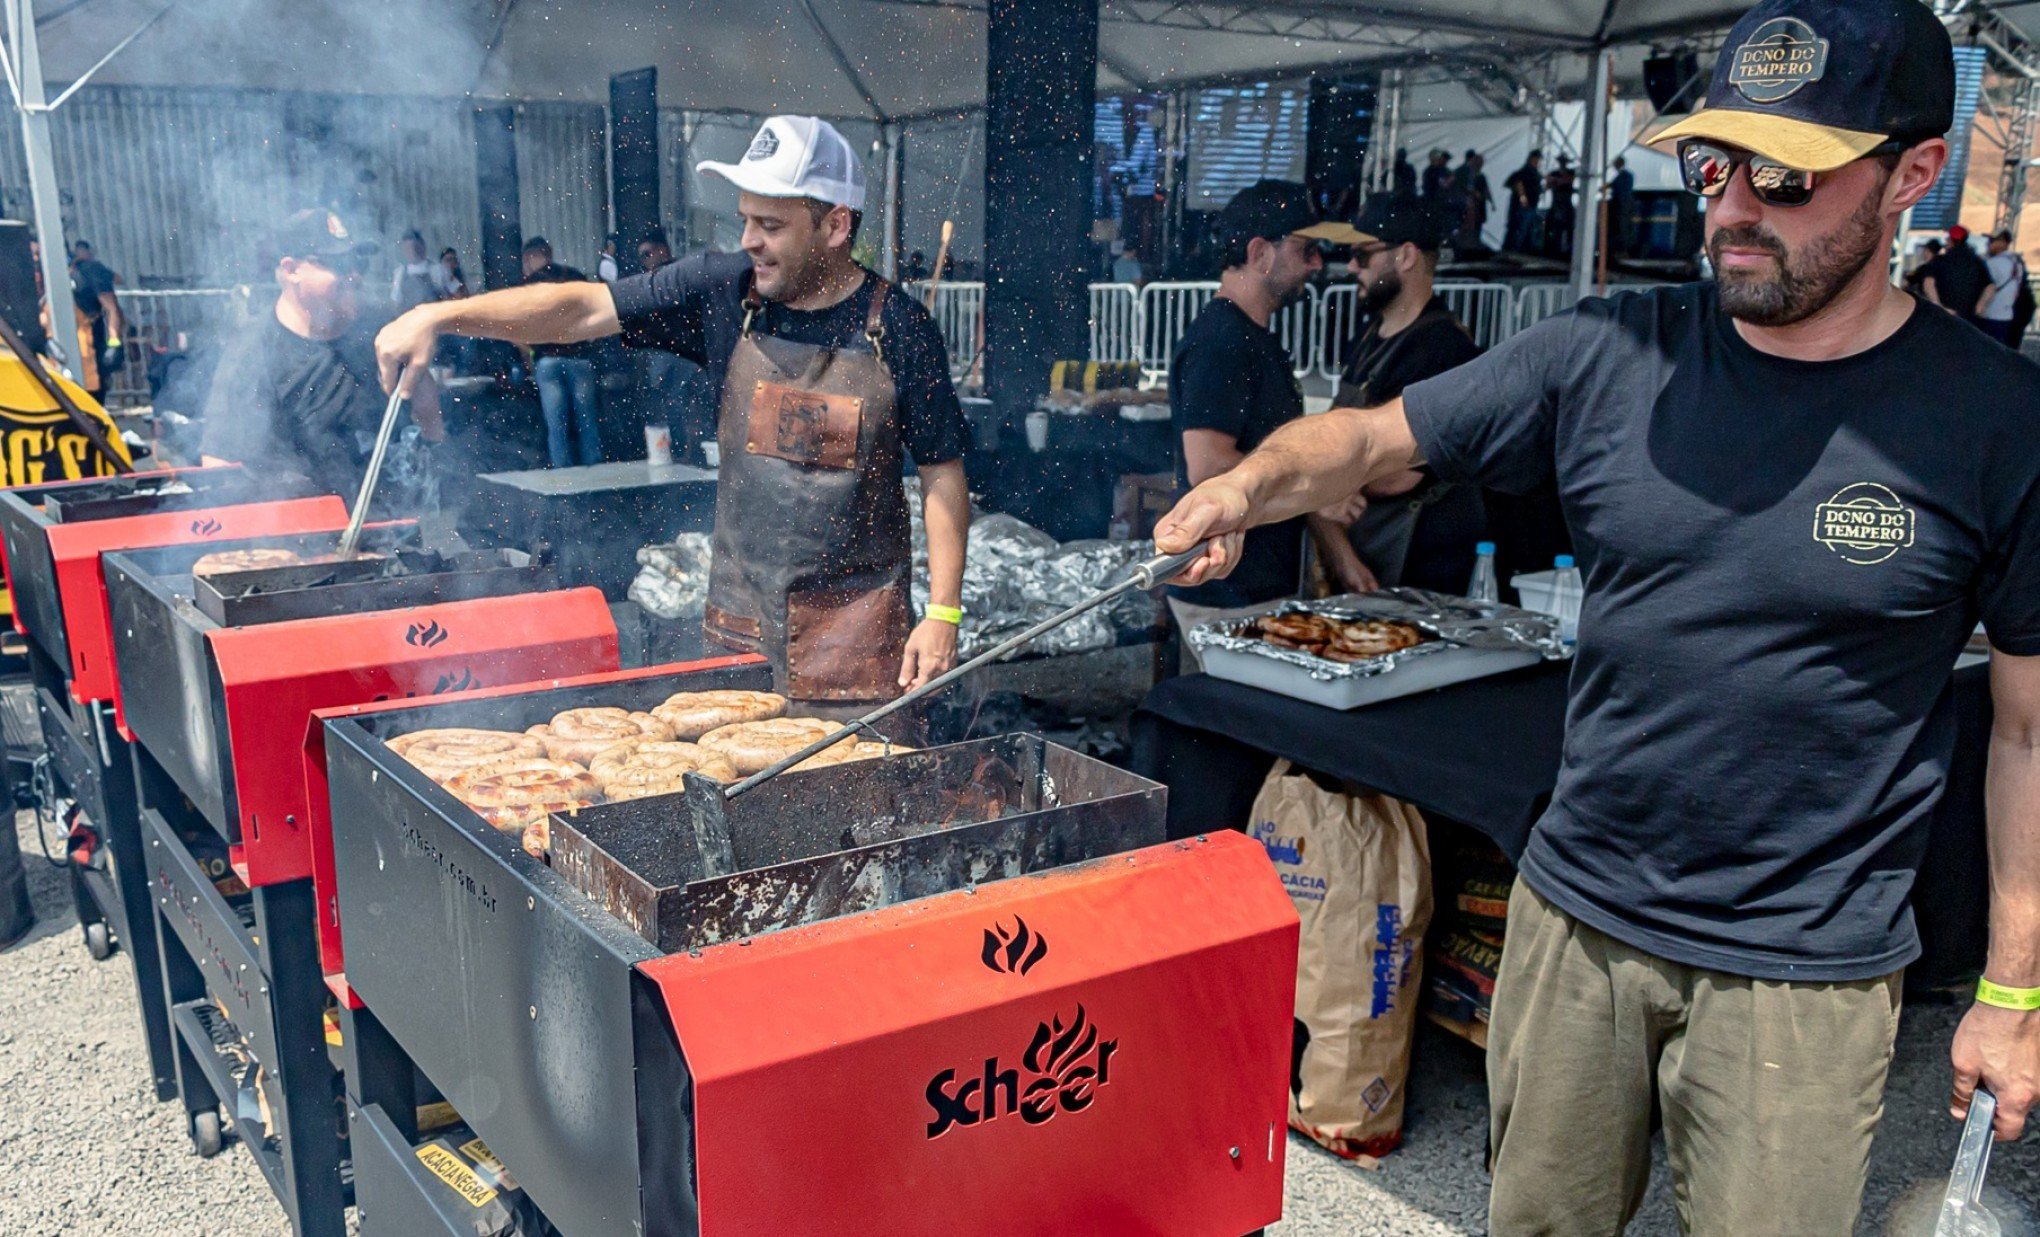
(1273,209)
(1815,84)
(1399,219)
(320,235)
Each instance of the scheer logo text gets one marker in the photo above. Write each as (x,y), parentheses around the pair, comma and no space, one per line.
(1066,1067)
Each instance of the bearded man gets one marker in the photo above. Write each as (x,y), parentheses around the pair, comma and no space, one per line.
(1415,530)
(1794,492)
(830,382)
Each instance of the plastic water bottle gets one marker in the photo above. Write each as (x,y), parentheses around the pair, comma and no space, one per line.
(1566,592)
(1483,588)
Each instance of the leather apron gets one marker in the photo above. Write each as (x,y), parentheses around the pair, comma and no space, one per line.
(812,549)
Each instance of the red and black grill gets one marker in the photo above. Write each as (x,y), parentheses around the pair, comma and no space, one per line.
(961,990)
(53,538)
(219,677)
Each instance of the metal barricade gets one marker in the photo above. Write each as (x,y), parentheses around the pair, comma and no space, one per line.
(1486,310)
(168,320)
(1297,327)
(1115,322)
(1537,301)
(959,313)
(1338,317)
(1166,312)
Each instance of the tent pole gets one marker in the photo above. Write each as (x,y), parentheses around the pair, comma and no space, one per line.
(889,258)
(42,184)
(1593,157)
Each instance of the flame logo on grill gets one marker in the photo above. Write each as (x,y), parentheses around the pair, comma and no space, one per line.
(430,635)
(452,683)
(205,527)
(1015,952)
(1055,1048)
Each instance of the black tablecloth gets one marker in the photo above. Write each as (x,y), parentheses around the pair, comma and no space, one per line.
(1486,754)
(595,518)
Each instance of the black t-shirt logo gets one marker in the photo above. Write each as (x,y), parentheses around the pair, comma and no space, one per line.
(1774,62)
(1866,524)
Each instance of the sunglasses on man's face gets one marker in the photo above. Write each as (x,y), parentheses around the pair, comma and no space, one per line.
(1708,167)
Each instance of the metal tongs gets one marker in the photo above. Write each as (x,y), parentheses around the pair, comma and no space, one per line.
(1962,1211)
(352,536)
(1142,576)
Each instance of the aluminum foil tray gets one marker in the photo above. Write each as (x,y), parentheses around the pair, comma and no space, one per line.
(1468,641)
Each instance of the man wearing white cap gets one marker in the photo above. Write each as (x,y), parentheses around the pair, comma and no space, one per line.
(828,380)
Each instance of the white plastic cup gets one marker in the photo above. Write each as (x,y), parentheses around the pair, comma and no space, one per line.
(658,445)
(711,453)
(1037,430)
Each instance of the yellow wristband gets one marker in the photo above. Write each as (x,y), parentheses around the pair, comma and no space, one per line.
(951,615)
(1989,993)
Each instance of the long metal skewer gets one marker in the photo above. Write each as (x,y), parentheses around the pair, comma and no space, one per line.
(1143,576)
(375,463)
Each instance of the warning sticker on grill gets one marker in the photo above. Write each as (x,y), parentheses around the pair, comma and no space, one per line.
(451,1169)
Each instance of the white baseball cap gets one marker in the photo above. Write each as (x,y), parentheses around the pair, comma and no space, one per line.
(797,157)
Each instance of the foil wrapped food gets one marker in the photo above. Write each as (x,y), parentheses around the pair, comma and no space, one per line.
(672,578)
(1014,576)
(1450,622)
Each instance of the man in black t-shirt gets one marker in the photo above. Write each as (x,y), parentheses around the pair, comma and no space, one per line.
(93,286)
(1956,280)
(565,373)
(1416,530)
(296,390)
(1525,186)
(1794,492)
(820,398)
(1232,383)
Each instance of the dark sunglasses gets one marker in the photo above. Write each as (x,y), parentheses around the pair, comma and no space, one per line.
(1708,167)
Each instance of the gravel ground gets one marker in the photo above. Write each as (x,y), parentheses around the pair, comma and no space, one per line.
(86,1148)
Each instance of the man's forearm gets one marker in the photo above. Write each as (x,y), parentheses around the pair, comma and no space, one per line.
(945,510)
(2011,793)
(546,313)
(1313,462)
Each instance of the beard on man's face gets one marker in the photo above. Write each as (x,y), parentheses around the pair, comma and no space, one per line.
(1381,291)
(1804,281)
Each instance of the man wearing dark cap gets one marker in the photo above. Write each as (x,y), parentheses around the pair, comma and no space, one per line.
(1794,492)
(1416,530)
(1232,383)
(297,389)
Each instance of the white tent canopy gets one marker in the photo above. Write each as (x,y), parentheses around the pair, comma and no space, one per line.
(846,58)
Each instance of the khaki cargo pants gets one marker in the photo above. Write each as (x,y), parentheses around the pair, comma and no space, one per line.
(1770,1091)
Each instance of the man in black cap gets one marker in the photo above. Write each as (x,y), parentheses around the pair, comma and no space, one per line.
(1794,492)
(1416,530)
(297,389)
(1232,383)
(1525,186)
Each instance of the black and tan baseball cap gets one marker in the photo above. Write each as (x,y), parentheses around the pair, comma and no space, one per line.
(1815,84)
(1273,209)
(321,235)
